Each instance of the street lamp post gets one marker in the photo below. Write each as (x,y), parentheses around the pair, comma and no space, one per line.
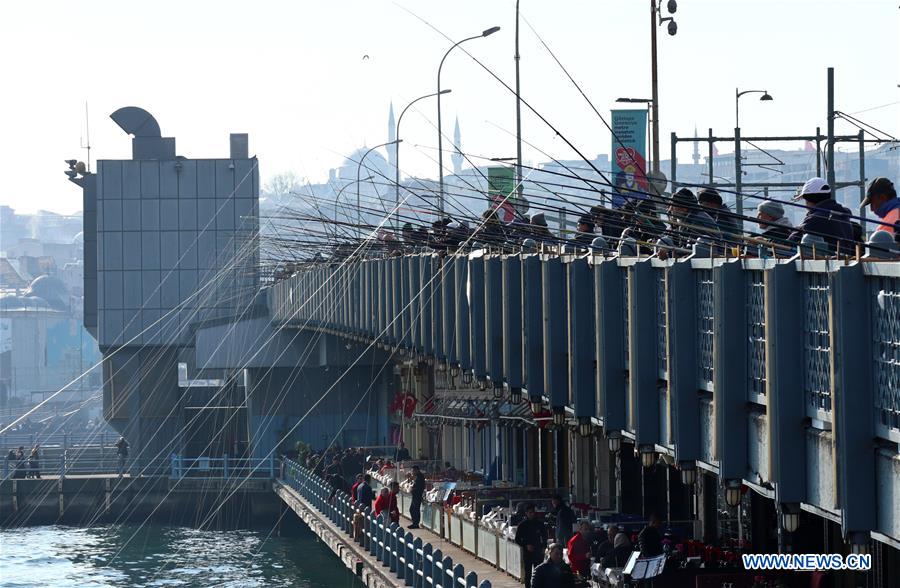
(397,153)
(341,191)
(672,27)
(358,167)
(766,97)
(484,33)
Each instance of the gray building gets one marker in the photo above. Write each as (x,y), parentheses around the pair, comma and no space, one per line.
(191,364)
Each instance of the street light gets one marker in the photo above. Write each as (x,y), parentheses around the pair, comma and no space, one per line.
(733,492)
(672,27)
(766,97)
(397,152)
(484,33)
(341,191)
(358,168)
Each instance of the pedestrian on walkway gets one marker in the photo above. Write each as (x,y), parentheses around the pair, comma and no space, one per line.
(418,493)
(364,494)
(565,519)
(381,503)
(392,507)
(355,487)
(20,471)
(531,535)
(553,573)
(34,462)
(650,539)
(122,454)
(579,547)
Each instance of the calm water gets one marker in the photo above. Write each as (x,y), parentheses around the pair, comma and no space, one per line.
(165,556)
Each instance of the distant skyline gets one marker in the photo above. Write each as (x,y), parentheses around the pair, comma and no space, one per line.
(293,76)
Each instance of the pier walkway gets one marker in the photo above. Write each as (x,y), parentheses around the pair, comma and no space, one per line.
(382,554)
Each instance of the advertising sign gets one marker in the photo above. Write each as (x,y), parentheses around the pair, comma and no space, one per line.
(629,149)
(502,192)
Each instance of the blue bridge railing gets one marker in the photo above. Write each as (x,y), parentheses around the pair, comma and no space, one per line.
(778,373)
(412,560)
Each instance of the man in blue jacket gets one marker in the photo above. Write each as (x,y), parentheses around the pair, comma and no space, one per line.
(825,218)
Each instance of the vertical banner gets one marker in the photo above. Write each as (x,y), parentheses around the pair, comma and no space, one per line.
(629,149)
(502,192)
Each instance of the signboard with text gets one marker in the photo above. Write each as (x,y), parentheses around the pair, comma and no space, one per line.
(629,154)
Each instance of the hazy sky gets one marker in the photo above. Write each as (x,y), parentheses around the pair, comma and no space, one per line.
(292,75)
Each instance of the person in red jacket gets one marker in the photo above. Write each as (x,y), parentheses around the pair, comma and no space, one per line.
(359,480)
(579,547)
(392,508)
(382,502)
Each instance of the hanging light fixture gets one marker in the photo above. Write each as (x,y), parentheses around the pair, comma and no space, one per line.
(498,390)
(454,371)
(615,441)
(733,492)
(648,456)
(467,377)
(585,427)
(859,544)
(537,404)
(688,472)
(559,416)
(790,517)
(515,395)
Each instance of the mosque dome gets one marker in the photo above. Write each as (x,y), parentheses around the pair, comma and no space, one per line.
(52,290)
(376,163)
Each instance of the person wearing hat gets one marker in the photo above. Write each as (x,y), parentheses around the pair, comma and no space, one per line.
(881,198)
(689,221)
(711,200)
(825,217)
(775,226)
(642,222)
(537,229)
(584,232)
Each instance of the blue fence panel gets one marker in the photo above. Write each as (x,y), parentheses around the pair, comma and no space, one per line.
(817,343)
(886,335)
(705,326)
(756,332)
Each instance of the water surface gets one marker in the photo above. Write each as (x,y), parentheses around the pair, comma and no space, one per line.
(155,555)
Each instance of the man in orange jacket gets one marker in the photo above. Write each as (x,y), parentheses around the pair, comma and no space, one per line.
(881,198)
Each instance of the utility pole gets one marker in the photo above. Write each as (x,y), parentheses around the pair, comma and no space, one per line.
(829,144)
(518,113)
(655,89)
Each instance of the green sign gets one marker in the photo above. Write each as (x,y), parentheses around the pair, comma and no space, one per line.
(502,191)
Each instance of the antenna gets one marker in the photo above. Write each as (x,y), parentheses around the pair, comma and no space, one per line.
(86,141)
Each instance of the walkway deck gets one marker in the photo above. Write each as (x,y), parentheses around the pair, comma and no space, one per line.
(372,571)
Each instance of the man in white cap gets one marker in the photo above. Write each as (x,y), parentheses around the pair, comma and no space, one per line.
(825,217)
(776,228)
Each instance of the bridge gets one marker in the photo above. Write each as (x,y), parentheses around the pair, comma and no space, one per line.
(776,375)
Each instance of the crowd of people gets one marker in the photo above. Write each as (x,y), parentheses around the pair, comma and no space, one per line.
(689,217)
(611,547)
(21,465)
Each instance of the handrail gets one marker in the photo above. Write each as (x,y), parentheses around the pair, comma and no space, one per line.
(409,558)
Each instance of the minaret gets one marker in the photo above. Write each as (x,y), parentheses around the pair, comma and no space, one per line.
(457,156)
(392,136)
(696,155)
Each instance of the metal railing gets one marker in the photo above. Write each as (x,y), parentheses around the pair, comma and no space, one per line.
(80,462)
(416,562)
(778,348)
(222,468)
(12,440)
